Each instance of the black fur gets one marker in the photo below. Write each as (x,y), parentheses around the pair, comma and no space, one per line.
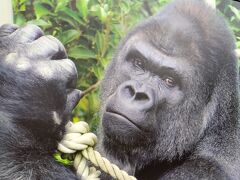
(36,95)
(170,97)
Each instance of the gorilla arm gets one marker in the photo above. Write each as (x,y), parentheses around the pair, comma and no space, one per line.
(37,96)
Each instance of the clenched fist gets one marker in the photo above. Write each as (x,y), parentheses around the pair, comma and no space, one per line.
(37,95)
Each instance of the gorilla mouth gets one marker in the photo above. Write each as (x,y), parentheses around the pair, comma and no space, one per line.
(119,115)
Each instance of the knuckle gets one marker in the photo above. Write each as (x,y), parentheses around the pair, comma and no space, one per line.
(33,28)
(54,40)
(53,47)
(50,42)
(59,69)
(16,63)
(41,49)
(70,72)
(7,29)
(46,43)
(45,70)
(28,33)
(61,52)
(69,66)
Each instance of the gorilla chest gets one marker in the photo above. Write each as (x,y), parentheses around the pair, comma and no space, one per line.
(156,170)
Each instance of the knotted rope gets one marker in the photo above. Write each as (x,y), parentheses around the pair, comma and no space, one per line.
(79,139)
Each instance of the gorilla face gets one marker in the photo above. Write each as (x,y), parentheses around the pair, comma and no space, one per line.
(155,85)
(157,90)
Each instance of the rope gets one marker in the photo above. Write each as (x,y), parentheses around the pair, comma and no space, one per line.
(79,140)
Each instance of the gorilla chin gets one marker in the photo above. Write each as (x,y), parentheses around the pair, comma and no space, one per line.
(118,127)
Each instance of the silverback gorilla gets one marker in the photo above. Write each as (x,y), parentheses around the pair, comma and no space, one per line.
(170,98)
(37,95)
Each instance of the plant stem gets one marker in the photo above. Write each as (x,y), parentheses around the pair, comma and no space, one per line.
(91,88)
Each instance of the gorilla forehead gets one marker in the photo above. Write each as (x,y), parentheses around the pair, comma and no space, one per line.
(156,55)
(179,31)
(181,42)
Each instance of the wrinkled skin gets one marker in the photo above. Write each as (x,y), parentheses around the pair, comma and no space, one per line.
(170,98)
(37,96)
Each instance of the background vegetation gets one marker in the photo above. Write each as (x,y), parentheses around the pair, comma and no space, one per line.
(91,30)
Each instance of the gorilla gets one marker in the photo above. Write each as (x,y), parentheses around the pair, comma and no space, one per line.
(37,95)
(170,98)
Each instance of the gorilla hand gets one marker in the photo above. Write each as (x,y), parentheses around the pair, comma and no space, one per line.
(37,94)
(33,76)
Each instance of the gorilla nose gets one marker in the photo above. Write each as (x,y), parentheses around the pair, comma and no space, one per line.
(136,94)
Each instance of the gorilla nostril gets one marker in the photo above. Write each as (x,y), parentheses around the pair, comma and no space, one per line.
(141,97)
(129,91)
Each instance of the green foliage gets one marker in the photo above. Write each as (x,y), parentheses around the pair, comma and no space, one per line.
(65,159)
(232,14)
(90,31)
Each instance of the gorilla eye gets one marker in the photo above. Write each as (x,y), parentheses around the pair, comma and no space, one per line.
(138,63)
(170,81)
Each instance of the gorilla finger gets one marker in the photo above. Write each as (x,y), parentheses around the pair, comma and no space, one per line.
(61,52)
(68,71)
(73,97)
(44,48)
(7,29)
(27,34)
(63,71)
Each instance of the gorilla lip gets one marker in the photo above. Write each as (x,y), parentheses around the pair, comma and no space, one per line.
(123,116)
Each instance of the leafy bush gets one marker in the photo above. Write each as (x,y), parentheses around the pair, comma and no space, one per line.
(231,11)
(90,31)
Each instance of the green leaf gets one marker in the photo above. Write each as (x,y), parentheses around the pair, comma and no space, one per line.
(104,62)
(69,35)
(84,104)
(124,6)
(103,15)
(67,19)
(235,11)
(22,1)
(99,11)
(99,42)
(82,6)
(61,5)
(40,10)
(40,22)
(75,119)
(47,2)
(81,52)
(93,102)
(238,44)
(58,158)
(22,7)
(98,71)
(72,14)
(19,19)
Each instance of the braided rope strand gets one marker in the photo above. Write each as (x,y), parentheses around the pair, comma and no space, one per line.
(79,139)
